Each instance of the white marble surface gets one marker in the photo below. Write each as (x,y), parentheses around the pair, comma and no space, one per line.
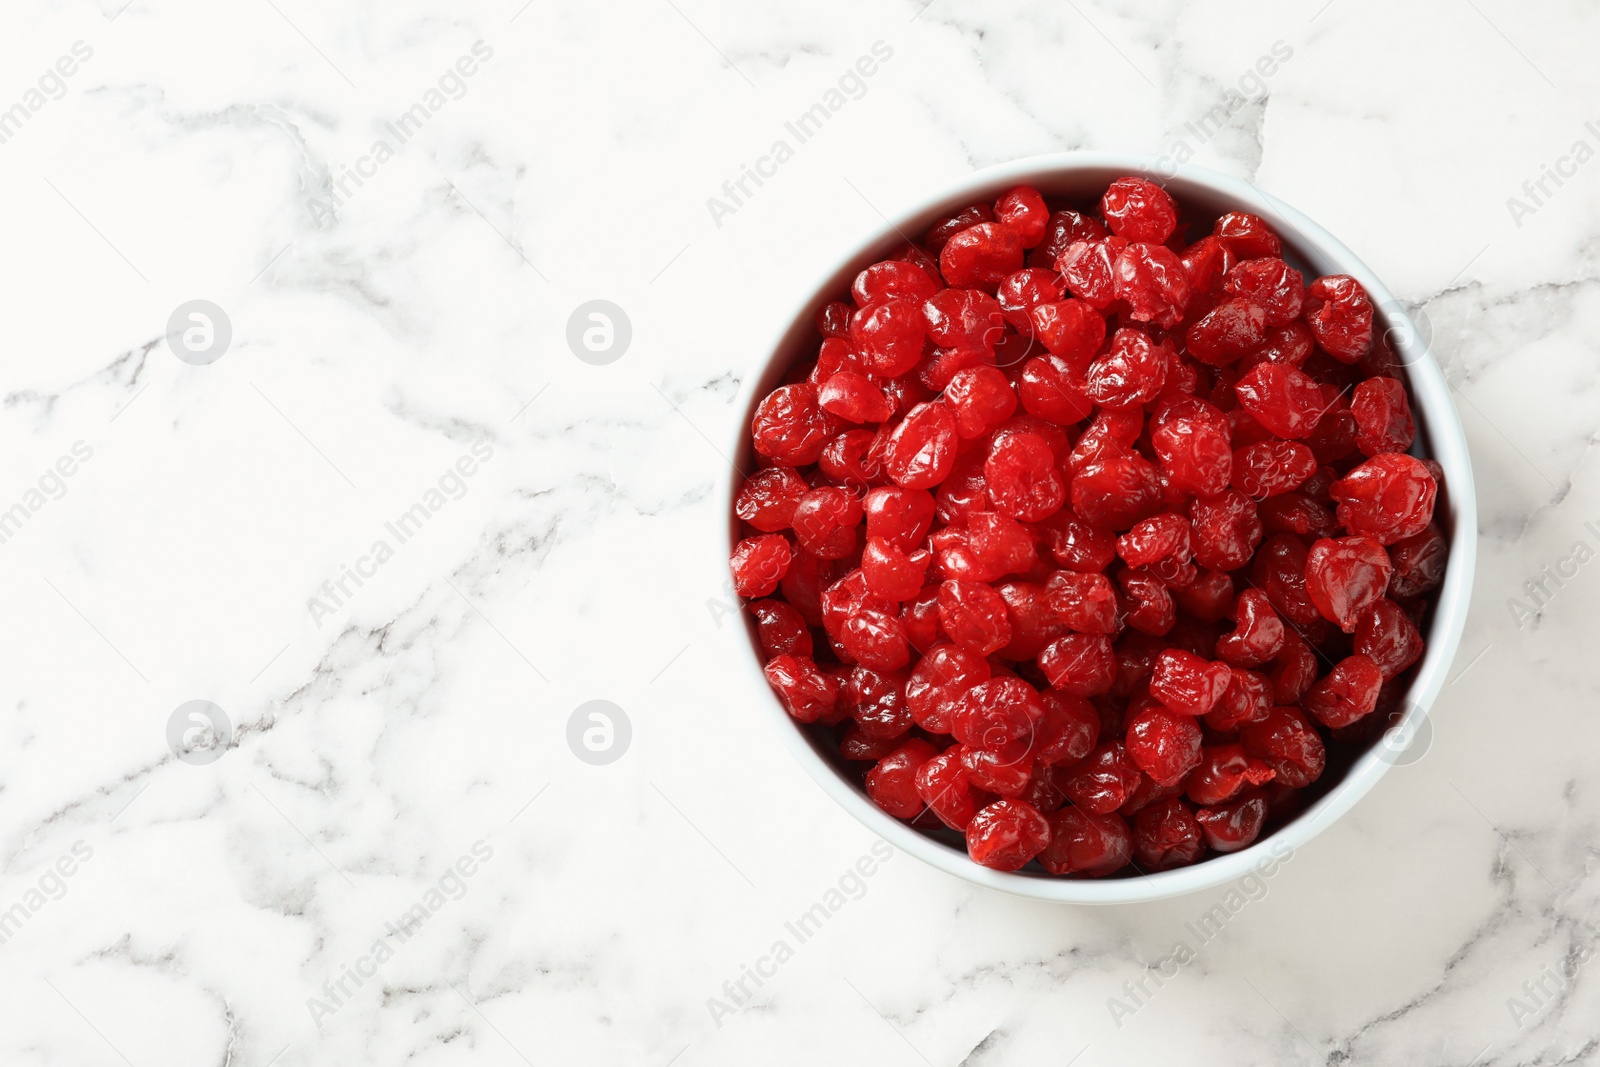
(373,345)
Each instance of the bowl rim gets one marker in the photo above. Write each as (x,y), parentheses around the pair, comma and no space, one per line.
(1439,428)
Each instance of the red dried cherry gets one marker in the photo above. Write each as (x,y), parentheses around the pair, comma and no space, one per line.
(1131,371)
(789,427)
(996,712)
(1268,468)
(1148,792)
(847,596)
(854,397)
(1246,236)
(1190,437)
(825,522)
(1047,389)
(1033,625)
(1064,228)
(938,682)
(768,498)
(921,450)
(980,255)
(1147,605)
(1389,498)
(858,747)
(1288,744)
(947,228)
(1259,634)
(1087,845)
(1103,781)
(974,616)
(943,786)
(851,459)
(781,629)
(1004,771)
(1187,684)
(1205,263)
(1164,744)
(1382,416)
(1223,773)
(876,639)
(890,335)
(1282,398)
(1418,562)
(1166,835)
(1081,664)
(1248,698)
(1084,602)
(891,573)
(1346,576)
(1270,284)
(1289,344)
(833,319)
(876,700)
(964,319)
(1340,316)
(899,516)
(1160,537)
(1115,492)
(1007,834)
(1022,479)
(1387,636)
(1075,544)
(999,545)
(1068,731)
(1279,571)
(1224,530)
(1139,210)
(1087,269)
(1071,329)
(981,398)
(1233,826)
(1293,669)
(758,564)
(806,693)
(1151,281)
(889,279)
(892,784)
(1227,332)
(1208,598)
(1024,211)
(1022,291)
(1346,693)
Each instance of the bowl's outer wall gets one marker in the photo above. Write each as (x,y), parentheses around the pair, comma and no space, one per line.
(1082,176)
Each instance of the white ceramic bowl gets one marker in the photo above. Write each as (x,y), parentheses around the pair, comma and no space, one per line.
(1082,176)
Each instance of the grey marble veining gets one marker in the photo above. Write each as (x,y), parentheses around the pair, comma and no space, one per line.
(399,858)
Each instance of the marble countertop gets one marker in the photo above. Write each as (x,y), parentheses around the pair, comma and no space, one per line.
(372,518)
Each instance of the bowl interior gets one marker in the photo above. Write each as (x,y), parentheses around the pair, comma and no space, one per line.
(1202,194)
